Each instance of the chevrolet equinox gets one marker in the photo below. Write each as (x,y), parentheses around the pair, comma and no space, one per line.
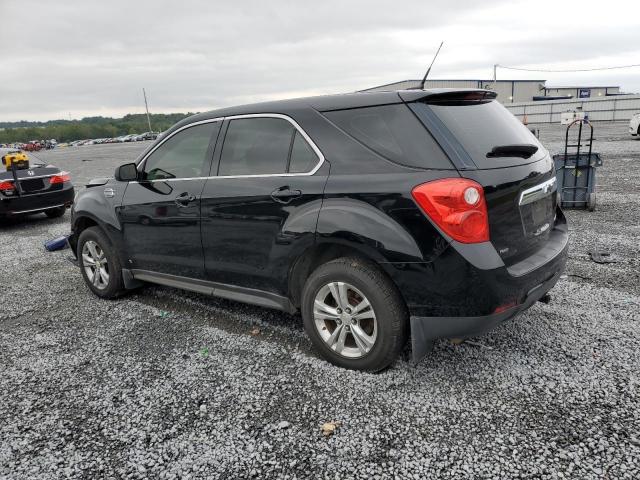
(384,216)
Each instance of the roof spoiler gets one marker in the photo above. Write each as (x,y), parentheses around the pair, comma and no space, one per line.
(447,96)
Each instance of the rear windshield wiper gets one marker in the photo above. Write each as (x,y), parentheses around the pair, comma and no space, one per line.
(523,150)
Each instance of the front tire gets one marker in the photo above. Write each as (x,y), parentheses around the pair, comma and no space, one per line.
(354,315)
(55,212)
(99,264)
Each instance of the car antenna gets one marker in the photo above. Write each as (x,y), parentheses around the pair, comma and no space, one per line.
(424,79)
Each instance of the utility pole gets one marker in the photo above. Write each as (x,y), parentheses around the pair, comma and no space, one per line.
(147,108)
(495,68)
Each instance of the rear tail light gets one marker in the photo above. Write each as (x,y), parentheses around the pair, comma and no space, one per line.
(60,178)
(7,187)
(457,206)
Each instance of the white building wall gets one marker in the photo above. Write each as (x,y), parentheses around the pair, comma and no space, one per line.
(603,108)
(594,92)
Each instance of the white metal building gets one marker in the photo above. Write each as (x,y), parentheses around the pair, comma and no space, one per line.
(581,92)
(611,108)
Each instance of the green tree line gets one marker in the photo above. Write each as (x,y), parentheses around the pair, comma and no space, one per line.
(88,127)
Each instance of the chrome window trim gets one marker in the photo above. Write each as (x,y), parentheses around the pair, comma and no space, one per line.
(541,190)
(295,125)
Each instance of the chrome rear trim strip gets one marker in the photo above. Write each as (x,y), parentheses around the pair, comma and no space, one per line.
(541,190)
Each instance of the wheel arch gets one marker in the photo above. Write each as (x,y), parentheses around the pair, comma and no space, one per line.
(324,252)
(84,220)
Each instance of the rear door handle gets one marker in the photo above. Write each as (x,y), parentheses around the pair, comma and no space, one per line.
(285,194)
(184,199)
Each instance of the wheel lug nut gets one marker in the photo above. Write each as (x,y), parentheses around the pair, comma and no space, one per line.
(339,310)
(348,310)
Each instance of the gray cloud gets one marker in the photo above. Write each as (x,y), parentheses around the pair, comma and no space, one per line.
(93,57)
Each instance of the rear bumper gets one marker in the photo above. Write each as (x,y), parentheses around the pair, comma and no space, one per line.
(37,202)
(425,330)
(466,292)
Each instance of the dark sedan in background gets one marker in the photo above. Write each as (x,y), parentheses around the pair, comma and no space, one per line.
(31,187)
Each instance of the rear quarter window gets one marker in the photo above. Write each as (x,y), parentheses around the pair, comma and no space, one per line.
(394,132)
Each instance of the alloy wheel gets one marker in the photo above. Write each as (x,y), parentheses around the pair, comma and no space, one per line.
(345,319)
(95,264)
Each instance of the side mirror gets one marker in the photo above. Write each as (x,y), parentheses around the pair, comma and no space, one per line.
(127,172)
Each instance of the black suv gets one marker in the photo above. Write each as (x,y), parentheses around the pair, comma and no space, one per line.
(429,214)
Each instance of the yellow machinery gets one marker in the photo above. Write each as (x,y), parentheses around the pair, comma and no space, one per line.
(17,158)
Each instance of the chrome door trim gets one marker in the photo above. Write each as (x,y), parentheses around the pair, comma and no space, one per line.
(314,147)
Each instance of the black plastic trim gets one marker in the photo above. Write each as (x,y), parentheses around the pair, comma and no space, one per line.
(443,136)
(425,330)
(230,292)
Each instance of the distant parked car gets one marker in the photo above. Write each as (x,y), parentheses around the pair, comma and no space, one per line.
(147,136)
(29,186)
(634,125)
(32,146)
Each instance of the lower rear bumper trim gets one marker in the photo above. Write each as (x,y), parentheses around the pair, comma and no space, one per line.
(426,330)
(18,212)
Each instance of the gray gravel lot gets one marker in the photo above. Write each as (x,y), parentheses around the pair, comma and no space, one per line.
(167,384)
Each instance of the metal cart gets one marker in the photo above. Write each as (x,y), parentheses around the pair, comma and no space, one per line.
(576,171)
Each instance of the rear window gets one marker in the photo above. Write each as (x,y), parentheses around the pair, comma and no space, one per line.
(479,127)
(394,132)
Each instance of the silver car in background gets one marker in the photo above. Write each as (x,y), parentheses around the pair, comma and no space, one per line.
(634,125)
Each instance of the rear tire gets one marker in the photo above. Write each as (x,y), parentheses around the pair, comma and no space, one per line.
(354,315)
(99,264)
(55,212)
(591,201)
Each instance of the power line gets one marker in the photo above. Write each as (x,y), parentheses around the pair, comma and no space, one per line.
(568,71)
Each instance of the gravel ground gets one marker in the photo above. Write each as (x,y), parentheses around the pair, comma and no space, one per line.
(166,384)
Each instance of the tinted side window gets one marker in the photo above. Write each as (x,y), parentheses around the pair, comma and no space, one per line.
(303,157)
(256,146)
(183,155)
(394,132)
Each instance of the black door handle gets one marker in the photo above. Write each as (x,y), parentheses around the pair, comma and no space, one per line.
(184,199)
(285,194)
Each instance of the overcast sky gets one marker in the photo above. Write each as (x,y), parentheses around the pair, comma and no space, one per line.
(69,59)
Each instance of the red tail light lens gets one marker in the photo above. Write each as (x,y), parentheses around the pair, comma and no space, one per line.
(457,206)
(7,187)
(60,178)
